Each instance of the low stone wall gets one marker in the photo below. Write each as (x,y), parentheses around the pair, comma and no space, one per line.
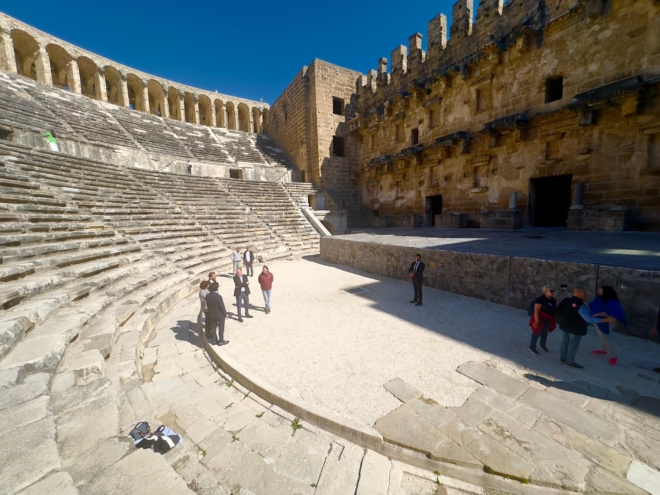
(504,279)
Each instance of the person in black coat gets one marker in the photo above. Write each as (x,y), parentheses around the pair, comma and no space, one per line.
(416,272)
(242,293)
(216,315)
(248,259)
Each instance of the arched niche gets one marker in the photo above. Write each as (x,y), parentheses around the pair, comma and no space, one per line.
(135,92)
(26,51)
(156,96)
(60,66)
(205,112)
(88,77)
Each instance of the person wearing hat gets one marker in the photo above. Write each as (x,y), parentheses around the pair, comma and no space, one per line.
(416,272)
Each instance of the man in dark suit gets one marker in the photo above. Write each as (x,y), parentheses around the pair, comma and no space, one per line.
(216,315)
(242,293)
(416,272)
(248,259)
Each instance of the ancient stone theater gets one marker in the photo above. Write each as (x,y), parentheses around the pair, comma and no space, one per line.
(135,357)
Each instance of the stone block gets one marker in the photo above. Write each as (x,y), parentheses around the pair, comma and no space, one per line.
(497,459)
(644,477)
(494,379)
(374,474)
(601,480)
(34,386)
(11,331)
(302,462)
(452,221)
(432,412)
(120,478)
(341,470)
(505,219)
(54,484)
(577,418)
(22,414)
(84,467)
(36,354)
(29,453)
(402,391)
(406,428)
(85,366)
(473,412)
(264,439)
(453,453)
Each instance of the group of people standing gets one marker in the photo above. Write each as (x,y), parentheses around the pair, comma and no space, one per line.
(573,315)
(212,306)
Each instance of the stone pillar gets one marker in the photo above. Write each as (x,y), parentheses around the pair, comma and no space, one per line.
(165,105)
(182,107)
(42,64)
(7,58)
(73,76)
(399,59)
(223,120)
(212,122)
(145,98)
(513,200)
(233,117)
(260,125)
(251,127)
(383,76)
(196,109)
(100,85)
(123,86)
(437,28)
(578,196)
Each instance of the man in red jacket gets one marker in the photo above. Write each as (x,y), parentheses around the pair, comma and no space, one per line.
(266,283)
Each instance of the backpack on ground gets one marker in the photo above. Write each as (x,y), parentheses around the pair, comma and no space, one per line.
(140,427)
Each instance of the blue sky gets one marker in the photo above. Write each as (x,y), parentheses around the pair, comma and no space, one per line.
(250,49)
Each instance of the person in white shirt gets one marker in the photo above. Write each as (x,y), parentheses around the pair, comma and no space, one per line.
(236,259)
(248,258)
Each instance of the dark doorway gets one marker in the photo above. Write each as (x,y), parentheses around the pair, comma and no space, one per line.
(433,208)
(551,199)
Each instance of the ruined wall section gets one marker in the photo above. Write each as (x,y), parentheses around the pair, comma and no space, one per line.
(334,173)
(483,126)
(289,122)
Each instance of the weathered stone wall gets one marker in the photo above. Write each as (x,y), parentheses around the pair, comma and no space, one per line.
(478,104)
(303,124)
(504,279)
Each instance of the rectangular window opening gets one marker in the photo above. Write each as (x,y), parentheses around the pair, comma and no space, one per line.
(338,146)
(414,137)
(554,89)
(235,173)
(337,105)
(431,119)
(373,142)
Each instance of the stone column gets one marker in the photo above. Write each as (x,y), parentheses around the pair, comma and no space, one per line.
(251,127)
(213,122)
(123,86)
(196,108)
(165,113)
(7,58)
(260,124)
(234,116)
(100,85)
(182,107)
(73,76)
(513,200)
(578,196)
(145,97)
(42,64)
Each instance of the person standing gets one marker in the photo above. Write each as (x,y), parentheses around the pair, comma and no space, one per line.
(242,293)
(212,278)
(416,272)
(266,282)
(248,259)
(203,310)
(236,259)
(573,318)
(607,304)
(217,315)
(543,320)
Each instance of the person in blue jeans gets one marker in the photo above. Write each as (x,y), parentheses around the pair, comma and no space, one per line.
(573,318)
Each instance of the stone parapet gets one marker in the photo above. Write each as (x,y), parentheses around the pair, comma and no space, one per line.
(607,219)
(508,280)
(507,219)
(452,221)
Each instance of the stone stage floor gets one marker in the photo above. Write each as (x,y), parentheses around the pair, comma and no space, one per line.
(336,349)
(640,250)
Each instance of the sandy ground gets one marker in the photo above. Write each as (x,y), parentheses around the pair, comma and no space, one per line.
(338,350)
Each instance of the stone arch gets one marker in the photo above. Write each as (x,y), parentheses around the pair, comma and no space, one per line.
(60,67)
(205,112)
(88,77)
(264,121)
(190,107)
(114,87)
(174,101)
(26,52)
(256,120)
(156,94)
(135,92)
(243,117)
(220,117)
(230,114)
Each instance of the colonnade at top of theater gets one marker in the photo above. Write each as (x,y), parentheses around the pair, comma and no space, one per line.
(47,60)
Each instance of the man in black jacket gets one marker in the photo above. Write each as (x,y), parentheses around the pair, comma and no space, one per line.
(248,259)
(216,315)
(242,293)
(416,272)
